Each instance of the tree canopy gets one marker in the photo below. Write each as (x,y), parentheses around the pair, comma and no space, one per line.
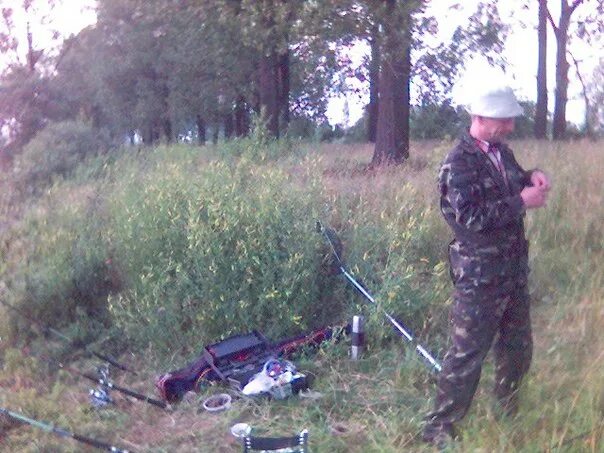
(180,70)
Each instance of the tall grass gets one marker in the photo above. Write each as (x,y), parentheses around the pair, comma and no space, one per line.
(175,247)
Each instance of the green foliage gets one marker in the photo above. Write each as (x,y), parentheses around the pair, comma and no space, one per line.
(227,252)
(390,247)
(432,121)
(357,133)
(259,147)
(301,128)
(61,274)
(524,125)
(19,98)
(439,67)
(327,133)
(55,152)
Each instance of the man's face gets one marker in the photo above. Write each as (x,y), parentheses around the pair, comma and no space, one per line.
(496,129)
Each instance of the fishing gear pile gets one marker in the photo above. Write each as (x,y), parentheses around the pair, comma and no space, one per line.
(238,359)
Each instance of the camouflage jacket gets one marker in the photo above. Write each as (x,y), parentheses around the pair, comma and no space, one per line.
(485,214)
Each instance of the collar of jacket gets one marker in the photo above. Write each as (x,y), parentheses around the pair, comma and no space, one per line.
(470,145)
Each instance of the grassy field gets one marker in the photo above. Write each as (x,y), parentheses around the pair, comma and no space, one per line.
(161,251)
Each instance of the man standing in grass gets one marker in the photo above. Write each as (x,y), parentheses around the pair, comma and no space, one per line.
(484,196)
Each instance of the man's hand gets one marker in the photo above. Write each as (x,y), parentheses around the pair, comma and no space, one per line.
(534,197)
(540,179)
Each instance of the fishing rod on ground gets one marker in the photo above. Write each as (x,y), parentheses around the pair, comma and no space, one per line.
(331,238)
(62,432)
(107,385)
(100,396)
(110,360)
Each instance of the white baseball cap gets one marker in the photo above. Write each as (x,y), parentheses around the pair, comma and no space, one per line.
(495,102)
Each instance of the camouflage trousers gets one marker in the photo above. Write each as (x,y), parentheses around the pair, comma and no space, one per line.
(479,317)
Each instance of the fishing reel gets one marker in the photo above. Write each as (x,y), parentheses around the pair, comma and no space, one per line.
(100,397)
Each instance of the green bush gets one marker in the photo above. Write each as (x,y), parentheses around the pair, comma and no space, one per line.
(357,133)
(231,251)
(390,247)
(259,147)
(55,152)
(61,274)
(437,121)
(326,133)
(301,127)
(177,249)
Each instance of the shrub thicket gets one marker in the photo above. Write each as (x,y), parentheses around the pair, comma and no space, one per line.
(174,249)
(55,152)
(228,249)
(56,267)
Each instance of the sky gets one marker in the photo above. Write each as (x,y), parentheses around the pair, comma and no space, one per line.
(67,18)
(520,52)
(70,16)
(73,15)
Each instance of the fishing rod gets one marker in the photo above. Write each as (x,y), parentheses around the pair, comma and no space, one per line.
(101,395)
(62,432)
(107,385)
(332,238)
(68,340)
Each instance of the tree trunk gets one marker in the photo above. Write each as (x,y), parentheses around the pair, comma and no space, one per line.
(561,93)
(241,117)
(589,130)
(147,135)
(31,54)
(392,139)
(228,125)
(541,107)
(156,130)
(201,130)
(374,77)
(405,104)
(268,91)
(167,126)
(284,87)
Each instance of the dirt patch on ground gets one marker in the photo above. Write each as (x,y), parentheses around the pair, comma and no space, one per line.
(186,429)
